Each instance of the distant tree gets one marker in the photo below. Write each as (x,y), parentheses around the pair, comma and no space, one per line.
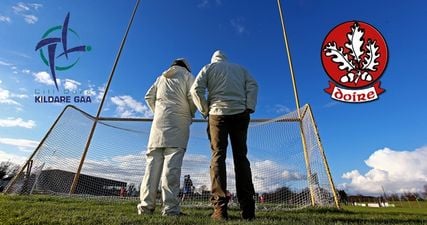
(8,169)
(410,196)
(282,194)
(394,197)
(343,196)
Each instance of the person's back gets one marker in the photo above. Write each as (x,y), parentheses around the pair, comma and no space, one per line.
(232,96)
(172,90)
(188,183)
(225,88)
(171,103)
(228,85)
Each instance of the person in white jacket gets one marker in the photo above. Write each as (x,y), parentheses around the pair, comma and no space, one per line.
(232,96)
(170,101)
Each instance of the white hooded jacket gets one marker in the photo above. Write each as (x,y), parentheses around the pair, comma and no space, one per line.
(170,100)
(231,89)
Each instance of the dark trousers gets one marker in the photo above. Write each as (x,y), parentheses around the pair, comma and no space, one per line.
(219,128)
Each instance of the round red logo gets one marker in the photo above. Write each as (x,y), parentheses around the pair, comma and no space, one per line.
(354,55)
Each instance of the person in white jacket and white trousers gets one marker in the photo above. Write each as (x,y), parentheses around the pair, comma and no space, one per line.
(170,101)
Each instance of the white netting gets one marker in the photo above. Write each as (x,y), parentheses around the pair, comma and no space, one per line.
(115,162)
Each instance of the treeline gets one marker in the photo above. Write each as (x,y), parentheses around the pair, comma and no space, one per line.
(405,196)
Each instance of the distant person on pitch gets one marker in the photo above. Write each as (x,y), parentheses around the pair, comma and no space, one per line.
(231,98)
(188,187)
(170,100)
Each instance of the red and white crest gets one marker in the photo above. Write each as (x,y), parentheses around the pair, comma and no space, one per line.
(354,55)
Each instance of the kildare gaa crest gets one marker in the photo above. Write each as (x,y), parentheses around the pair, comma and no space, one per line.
(354,55)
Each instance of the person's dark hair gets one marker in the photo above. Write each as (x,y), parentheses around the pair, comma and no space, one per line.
(181,63)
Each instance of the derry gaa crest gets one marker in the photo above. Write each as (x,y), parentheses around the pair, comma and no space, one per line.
(354,55)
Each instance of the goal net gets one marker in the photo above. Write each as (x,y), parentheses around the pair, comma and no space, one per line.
(288,164)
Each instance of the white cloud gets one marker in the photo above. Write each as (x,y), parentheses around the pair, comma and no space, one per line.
(21,144)
(238,26)
(4,156)
(6,97)
(44,78)
(128,168)
(20,96)
(101,91)
(269,175)
(35,6)
(30,19)
(5,19)
(197,165)
(27,10)
(3,63)
(17,122)
(396,171)
(26,71)
(20,7)
(126,107)
(71,85)
(90,92)
(292,175)
(281,109)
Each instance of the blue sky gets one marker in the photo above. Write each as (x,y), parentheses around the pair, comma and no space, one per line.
(368,145)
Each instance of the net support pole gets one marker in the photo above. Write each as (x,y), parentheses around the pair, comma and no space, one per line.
(325,161)
(303,139)
(27,163)
(107,87)
(307,160)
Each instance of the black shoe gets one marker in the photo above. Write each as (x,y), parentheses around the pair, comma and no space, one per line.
(248,217)
(248,214)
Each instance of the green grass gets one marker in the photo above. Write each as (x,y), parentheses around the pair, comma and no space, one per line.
(61,210)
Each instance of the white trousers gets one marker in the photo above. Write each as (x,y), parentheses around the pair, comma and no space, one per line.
(162,164)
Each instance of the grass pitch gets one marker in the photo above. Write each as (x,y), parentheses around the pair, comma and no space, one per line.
(63,210)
